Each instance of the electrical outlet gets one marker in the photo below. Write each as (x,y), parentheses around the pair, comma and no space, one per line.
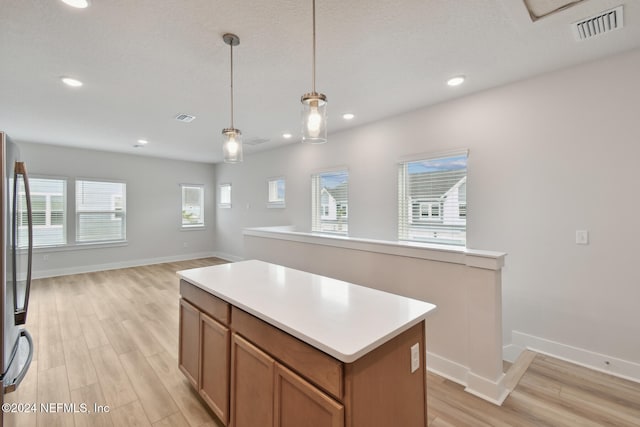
(185,244)
(415,357)
(45,257)
(582,237)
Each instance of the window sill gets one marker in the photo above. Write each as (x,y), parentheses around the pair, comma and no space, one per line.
(193,227)
(80,246)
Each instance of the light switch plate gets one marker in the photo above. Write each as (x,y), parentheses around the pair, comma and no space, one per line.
(415,357)
(582,237)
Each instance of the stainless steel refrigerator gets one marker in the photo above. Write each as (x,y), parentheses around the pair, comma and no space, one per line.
(17,249)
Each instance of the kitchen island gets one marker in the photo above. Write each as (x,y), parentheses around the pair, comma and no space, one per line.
(267,345)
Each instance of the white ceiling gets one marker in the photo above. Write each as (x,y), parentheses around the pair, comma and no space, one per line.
(144,61)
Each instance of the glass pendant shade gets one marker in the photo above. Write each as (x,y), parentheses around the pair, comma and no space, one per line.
(314,118)
(232,145)
(231,137)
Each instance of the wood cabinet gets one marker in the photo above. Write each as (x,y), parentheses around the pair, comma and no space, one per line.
(253,374)
(265,393)
(214,366)
(251,385)
(189,348)
(299,403)
(204,348)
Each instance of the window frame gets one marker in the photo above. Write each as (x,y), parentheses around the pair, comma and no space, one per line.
(445,228)
(320,223)
(202,223)
(225,204)
(49,211)
(123,214)
(276,203)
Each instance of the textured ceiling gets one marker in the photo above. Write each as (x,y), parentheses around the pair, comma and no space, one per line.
(144,61)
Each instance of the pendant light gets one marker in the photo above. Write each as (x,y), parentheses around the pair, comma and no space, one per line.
(231,137)
(314,104)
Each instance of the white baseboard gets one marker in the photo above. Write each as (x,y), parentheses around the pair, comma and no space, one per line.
(589,359)
(511,352)
(484,388)
(40,274)
(228,257)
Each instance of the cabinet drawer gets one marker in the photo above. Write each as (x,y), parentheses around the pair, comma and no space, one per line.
(317,367)
(211,305)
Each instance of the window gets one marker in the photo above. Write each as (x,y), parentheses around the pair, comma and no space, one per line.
(330,192)
(432,200)
(276,188)
(100,211)
(192,205)
(48,202)
(225,195)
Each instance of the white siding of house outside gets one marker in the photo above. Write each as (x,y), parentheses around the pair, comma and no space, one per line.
(432,200)
(329,202)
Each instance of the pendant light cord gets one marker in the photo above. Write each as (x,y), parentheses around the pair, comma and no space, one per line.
(231,45)
(313,75)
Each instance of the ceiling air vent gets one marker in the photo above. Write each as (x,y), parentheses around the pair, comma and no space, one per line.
(186,118)
(602,23)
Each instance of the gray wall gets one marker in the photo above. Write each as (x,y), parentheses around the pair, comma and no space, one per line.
(153,207)
(548,156)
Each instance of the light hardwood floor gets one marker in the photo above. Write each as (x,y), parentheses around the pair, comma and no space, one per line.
(111,338)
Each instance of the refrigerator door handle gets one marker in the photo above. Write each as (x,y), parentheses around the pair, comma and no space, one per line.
(20,314)
(8,388)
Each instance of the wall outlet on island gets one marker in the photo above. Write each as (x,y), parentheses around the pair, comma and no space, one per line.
(185,245)
(415,357)
(582,237)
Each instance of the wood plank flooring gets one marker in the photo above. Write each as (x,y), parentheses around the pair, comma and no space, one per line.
(111,338)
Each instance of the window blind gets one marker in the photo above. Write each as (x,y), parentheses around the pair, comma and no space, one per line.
(432,200)
(192,205)
(225,195)
(48,212)
(100,211)
(330,202)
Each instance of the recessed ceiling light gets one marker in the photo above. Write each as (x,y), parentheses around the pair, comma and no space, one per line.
(348,116)
(143,142)
(286,135)
(455,81)
(79,4)
(71,82)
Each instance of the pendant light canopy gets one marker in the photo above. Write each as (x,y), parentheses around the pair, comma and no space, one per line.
(232,137)
(314,104)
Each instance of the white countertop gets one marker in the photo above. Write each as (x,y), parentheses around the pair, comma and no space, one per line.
(344,320)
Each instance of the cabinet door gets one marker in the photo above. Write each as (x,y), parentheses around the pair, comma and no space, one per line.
(251,385)
(189,346)
(299,403)
(214,366)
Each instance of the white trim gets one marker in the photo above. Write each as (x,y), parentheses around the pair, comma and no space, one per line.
(511,352)
(457,255)
(433,155)
(193,227)
(277,204)
(80,246)
(228,257)
(40,274)
(589,359)
(330,169)
(201,225)
(491,391)
(219,195)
